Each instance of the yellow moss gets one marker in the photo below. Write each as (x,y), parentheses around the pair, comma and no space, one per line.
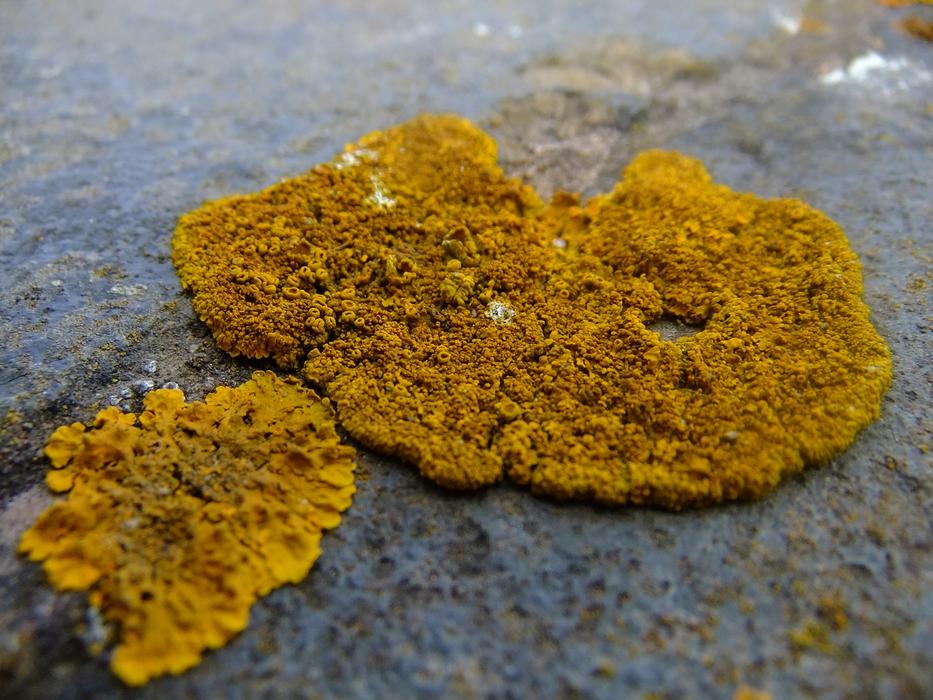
(496,335)
(180,517)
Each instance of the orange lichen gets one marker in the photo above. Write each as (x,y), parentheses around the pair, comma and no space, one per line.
(904,3)
(460,323)
(179,518)
(813,636)
(833,613)
(811,25)
(917,27)
(745,692)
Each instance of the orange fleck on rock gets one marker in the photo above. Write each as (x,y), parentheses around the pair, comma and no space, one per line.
(811,25)
(917,27)
(745,692)
(832,612)
(502,336)
(813,635)
(177,519)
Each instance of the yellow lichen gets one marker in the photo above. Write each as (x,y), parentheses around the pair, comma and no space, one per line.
(917,27)
(814,636)
(177,519)
(745,692)
(833,613)
(904,3)
(494,334)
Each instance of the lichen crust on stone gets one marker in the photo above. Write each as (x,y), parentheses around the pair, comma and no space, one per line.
(422,290)
(178,518)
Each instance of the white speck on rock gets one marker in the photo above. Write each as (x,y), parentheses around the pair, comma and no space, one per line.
(500,312)
(149,366)
(128,290)
(49,72)
(481,30)
(96,631)
(143,386)
(880,74)
(784,22)
(559,243)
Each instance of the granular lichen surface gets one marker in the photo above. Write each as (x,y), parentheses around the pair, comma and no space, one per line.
(464,325)
(178,518)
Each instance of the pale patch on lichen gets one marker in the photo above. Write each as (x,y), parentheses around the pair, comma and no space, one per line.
(177,519)
(380,196)
(353,157)
(500,312)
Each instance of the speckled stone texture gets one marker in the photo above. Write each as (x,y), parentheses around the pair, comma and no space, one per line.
(116,117)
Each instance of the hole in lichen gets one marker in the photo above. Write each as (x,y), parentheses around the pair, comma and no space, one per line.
(672,329)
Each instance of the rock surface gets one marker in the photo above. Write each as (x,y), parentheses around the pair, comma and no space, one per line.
(115,121)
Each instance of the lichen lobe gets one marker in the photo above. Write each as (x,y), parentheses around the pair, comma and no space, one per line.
(177,519)
(451,331)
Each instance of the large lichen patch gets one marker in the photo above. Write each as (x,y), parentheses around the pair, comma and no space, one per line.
(178,518)
(464,325)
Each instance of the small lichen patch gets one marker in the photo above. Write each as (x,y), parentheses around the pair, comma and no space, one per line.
(452,332)
(745,692)
(178,518)
(917,27)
